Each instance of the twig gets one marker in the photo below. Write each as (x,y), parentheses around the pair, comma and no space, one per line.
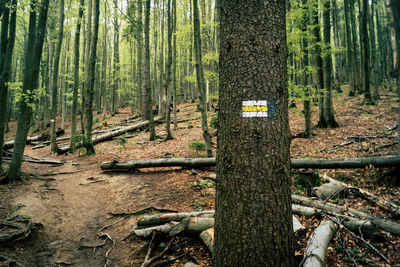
(112,224)
(139,212)
(92,182)
(148,260)
(162,262)
(342,243)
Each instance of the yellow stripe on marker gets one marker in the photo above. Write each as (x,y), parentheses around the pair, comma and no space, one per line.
(254,108)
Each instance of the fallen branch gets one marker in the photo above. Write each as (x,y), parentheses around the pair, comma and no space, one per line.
(387,161)
(169,217)
(39,161)
(207,237)
(110,135)
(333,209)
(139,212)
(328,190)
(147,259)
(385,205)
(318,243)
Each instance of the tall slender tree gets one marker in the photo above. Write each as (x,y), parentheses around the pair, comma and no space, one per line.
(54,146)
(116,67)
(33,53)
(167,85)
(76,74)
(253,219)
(147,80)
(200,78)
(7,40)
(365,54)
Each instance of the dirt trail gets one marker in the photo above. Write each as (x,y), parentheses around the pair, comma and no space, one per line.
(73,208)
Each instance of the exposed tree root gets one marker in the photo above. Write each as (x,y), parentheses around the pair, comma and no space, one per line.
(9,261)
(23,226)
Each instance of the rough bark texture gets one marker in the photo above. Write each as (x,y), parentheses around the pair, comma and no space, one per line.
(139,41)
(349,49)
(365,54)
(116,67)
(200,78)
(33,53)
(253,221)
(167,85)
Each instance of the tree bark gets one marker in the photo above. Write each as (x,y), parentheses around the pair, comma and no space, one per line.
(76,73)
(116,67)
(328,120)
(350,55)
(200,78)
(253,138)
(147,81)
(139,40)
(90,79)
(7,40)
(167,85)
(318,244)
(345,163)
(33,54)
(365,54)
(54,147)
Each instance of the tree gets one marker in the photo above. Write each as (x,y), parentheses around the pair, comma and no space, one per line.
(167,86)
(365,54)
(139,43)
(116,69)
(327,120)
(76,74)
(54,147)
(200,78)
(33,53)
(7,40)
(350,55)
(253,220)
(147,83)
(89,82)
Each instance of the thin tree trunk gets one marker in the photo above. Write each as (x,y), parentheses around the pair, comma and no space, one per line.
(54,147)
(104,66)
(116,69)
(200,78)
(89,82)
(365,54)
(140,59)
(76,74)
(167,85)
(174,63)
(147,80)
(350,55)
(305,65)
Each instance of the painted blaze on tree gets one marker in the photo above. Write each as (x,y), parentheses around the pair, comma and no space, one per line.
(253,202)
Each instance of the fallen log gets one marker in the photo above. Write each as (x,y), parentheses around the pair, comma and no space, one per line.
(110,135)
(385,205)
(332,209)
(169,217)
(345,163)
(328,190)
(146,232)
(207,237)
(318,243)
(38,161)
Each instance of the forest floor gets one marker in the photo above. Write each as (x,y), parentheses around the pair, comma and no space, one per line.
(76,205)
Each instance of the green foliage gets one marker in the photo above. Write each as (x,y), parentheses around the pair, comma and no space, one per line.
(96,120)
(121,140)
(198,205)
(214,122)
(355,256)
(82,142)
(197,145)
(30,97)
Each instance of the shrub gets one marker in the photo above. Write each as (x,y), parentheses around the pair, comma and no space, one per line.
(197,145)
(214,122)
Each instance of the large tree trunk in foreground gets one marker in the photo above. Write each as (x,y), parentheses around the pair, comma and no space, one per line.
(107,136)
(253,138)
(318,243)
(346,163)
(33,53)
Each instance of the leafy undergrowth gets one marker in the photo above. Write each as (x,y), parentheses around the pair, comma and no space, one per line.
(363,131)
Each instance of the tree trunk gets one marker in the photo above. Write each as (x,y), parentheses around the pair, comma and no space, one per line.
(54,147)
(337,71)
(174,63)
(139,40)
(355,47)
(7,40)
(349,49)
(253,138)
(89,82)
(76,73)
(200,78)
(147,81)
(167,85)
(104,67)
(345,163)
(33,53)
(374,60)
(305,75)
(365,54)
(327,68)
(116,67)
